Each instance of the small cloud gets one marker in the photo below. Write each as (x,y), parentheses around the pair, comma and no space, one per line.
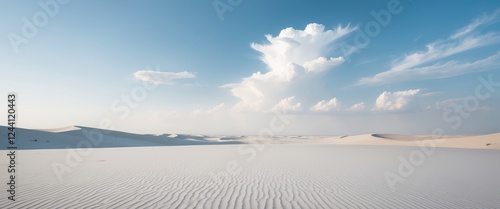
(429,94)
(417,38)
(159,115)
(157,77)
(326,106)
(204,112)
(357,107)
(466,104)
(287,105)
(393,101)
(217,108)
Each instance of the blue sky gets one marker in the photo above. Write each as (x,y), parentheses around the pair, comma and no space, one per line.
(226,67)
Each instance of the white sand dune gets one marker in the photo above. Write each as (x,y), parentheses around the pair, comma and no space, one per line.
(147,171)
(490,141)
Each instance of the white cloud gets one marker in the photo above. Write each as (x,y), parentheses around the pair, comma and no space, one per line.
(216,109)
(395,100)
(158,77)
(287,105)
(466,104)
(411,66)
(429,94)
(357,107)
(442,105)
(196,112)
(291,55)
(321,64)
(158,115)
(449,69)
(480,21)
(326,106)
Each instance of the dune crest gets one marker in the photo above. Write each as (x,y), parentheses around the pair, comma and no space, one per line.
(64,129)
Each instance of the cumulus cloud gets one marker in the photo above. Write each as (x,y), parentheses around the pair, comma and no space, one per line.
(158,77)
(287,105)
(288,56)
(392,101)
(357,107)
(326,106)
(412,66)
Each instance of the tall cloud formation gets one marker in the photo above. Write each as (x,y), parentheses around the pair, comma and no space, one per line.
(418,65)
(290,55)
(158,77)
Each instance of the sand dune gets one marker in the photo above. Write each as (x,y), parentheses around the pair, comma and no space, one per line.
(79,136)
(490,141)
(416,137)
(402,137)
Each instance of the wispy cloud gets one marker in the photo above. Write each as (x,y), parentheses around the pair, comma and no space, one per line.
(412,66)
(440,70)
(218,108)
(478,22)
(158,77)
(429,94)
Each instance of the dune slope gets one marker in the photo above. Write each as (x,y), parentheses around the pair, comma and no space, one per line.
(83,137)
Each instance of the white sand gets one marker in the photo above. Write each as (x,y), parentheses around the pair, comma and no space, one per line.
(291,172)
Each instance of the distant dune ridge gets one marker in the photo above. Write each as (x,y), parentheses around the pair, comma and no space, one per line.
(69,137)
(180,171)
